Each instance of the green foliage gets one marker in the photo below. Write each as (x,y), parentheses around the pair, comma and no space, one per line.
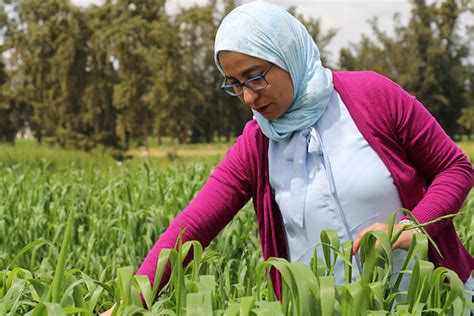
(126,71)
(107,215)
(117,74)
(322,39)
(7,133)
(466,120)
(429,57)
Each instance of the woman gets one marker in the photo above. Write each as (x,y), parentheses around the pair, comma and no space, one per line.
(338,150)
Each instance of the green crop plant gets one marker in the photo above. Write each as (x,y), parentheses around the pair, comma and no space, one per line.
(72,236)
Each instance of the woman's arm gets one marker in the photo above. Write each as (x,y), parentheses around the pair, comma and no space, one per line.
(448,172)
(224,194)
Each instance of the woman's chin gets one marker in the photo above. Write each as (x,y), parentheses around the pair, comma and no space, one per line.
(268,117)
(271,116)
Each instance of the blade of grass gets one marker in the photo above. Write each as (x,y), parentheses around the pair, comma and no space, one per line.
(60,267)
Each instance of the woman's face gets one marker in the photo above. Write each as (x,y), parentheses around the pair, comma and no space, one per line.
(271,102)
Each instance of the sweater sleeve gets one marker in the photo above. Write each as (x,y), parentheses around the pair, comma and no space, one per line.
(223,195)
(447,170)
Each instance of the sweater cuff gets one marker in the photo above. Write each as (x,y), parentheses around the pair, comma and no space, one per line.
(424,215)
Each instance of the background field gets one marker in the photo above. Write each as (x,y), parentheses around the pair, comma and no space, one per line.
(121,208)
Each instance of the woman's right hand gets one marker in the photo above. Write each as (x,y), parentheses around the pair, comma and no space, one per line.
(108,312)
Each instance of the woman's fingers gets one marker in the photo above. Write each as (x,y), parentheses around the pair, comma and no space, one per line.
(356,244)
(403,242)
(108,312)
(375,226)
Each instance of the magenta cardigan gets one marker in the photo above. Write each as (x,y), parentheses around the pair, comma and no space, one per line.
(431,174)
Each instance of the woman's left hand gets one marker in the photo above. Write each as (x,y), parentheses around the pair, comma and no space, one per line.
(403,241)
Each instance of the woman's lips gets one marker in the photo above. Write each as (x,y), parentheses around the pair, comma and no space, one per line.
(263,109)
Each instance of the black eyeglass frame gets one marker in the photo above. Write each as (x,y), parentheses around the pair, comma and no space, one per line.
(228,87)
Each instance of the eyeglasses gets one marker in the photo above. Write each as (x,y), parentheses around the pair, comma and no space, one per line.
(255,83)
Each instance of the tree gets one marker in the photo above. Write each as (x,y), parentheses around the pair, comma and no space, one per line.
(14,112)
(116,73)
(322,39)
(466,121)
(48,66)
(428,57)
(128,36)
(7,131)
(100,114)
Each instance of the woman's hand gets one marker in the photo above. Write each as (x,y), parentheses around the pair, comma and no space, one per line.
(108,312)
(403,241)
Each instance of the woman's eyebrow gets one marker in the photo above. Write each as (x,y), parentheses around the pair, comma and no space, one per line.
(247,72)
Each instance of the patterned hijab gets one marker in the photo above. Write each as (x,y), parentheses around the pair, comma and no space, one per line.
(268,32)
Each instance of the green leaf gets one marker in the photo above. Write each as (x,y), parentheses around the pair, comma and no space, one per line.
(60,266)
(347,255)
(124,281)
(370,253)
(143,284)
(232,310)
(40,289)
(246,305)
(327,288)
(329,238)
(163,259)
(418,247)
(94,298)
(420,283)
(267,309)
(77,310)
(197,255)
(17,273)
(353,299)
(31,245)
(48,309)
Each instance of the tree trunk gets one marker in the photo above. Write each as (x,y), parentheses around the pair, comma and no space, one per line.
(39,137)
(127,139)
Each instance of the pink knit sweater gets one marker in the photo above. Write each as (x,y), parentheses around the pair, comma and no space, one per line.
(431,174)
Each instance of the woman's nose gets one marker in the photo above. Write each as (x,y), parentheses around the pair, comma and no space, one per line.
(249,96)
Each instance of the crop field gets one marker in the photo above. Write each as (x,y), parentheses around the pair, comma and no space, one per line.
(74,229)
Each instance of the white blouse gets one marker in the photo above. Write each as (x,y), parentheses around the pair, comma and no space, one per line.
(347,185)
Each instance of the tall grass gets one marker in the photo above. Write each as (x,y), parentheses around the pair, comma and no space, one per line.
(73,229)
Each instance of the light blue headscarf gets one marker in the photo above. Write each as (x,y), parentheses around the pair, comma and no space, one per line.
(266,31)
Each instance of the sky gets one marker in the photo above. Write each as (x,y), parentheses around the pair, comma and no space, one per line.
(349,17)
